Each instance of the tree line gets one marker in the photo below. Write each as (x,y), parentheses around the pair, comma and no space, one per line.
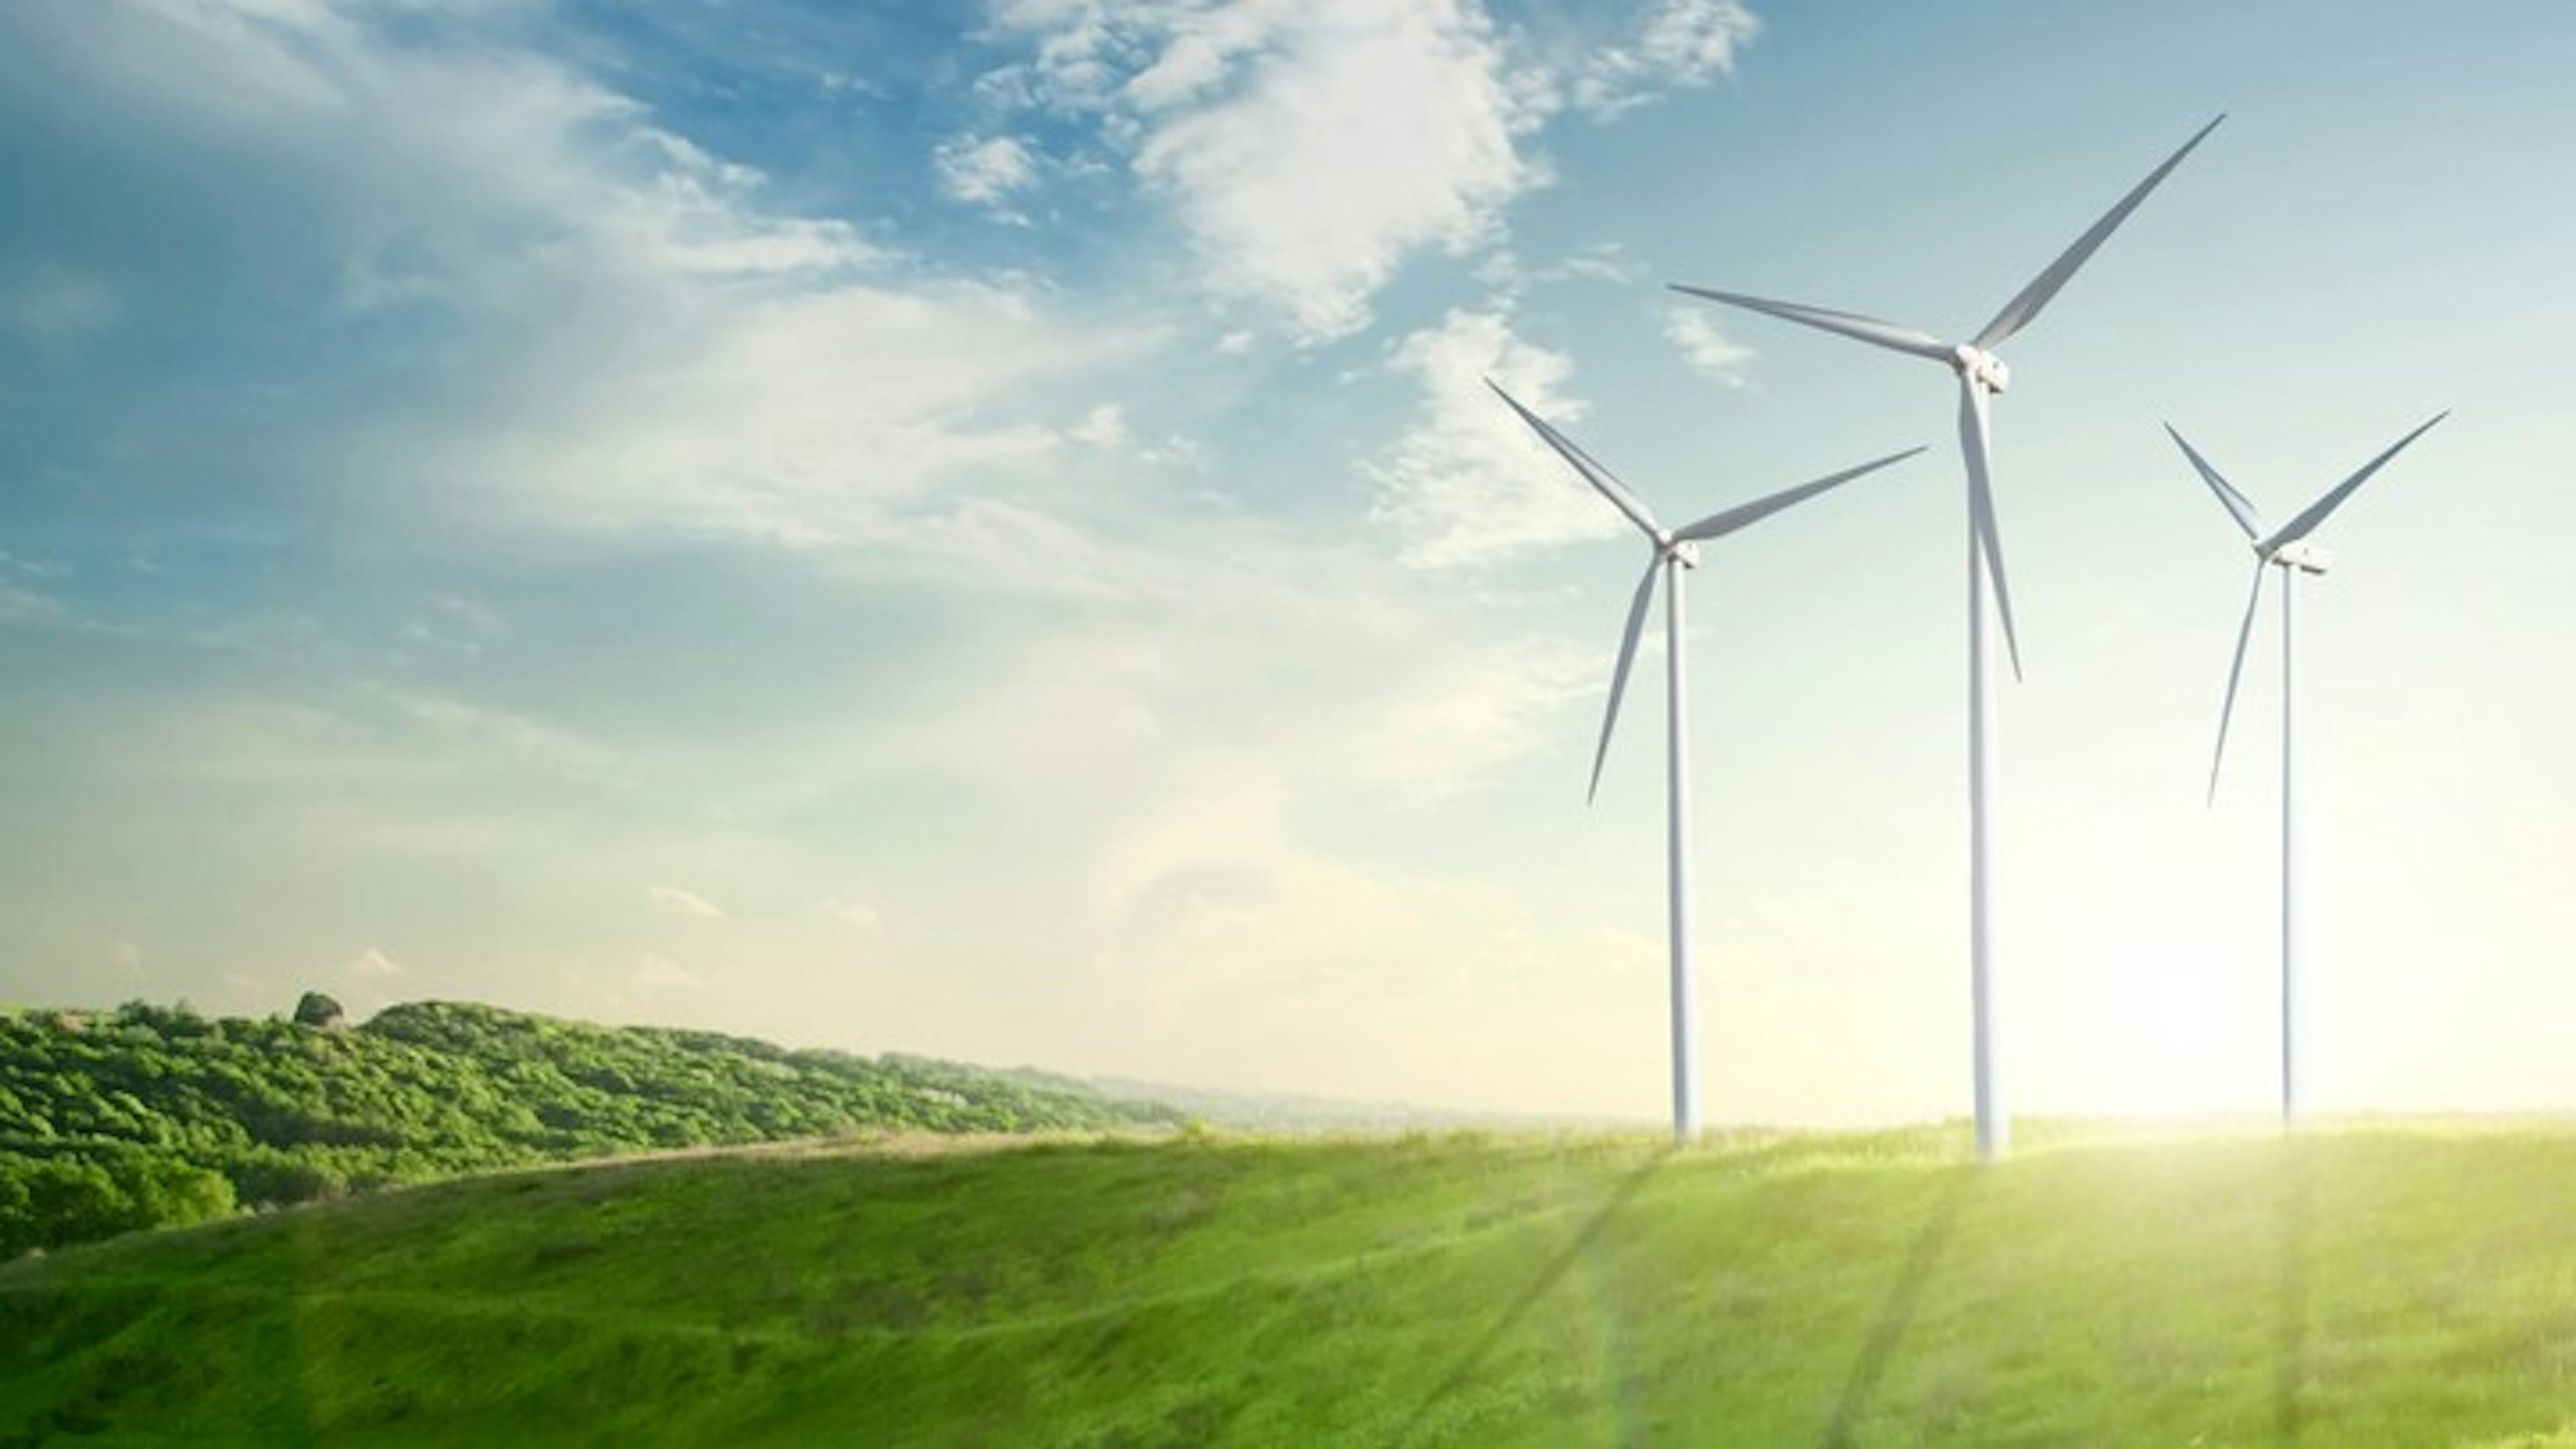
(152,1115)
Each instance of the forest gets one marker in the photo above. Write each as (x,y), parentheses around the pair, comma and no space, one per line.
(150,1115)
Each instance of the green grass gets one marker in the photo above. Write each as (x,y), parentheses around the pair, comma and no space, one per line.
(2364,1285)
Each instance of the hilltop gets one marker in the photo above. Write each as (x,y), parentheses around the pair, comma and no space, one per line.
(149,1115)
(2379,1285)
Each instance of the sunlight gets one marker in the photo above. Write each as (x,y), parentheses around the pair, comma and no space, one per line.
(2167,1035)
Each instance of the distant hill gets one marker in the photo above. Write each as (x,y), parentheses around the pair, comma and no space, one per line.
(2408,1285)
(1277,1112)
(1286,1112)
(150,1115)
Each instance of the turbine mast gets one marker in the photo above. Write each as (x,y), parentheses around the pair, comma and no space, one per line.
(2290,1063)
(1982,375)
(2289,551)
(1677,820)
(1675,552)
(1994,1126)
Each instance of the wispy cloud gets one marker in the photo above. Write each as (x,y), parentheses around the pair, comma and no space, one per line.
(662,972)
(856,914)
(1711,353)
(1307,150)
(711,359)
(53,303)
(21,604)
(1461,725)
(1354,132)
(612,406)
(1103,427)
(1675,44)
(678,902)
(985,170)
(1468,484)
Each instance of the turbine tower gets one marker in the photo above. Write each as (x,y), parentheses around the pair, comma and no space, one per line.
(1672,551)
(2288,550)
(1982,376)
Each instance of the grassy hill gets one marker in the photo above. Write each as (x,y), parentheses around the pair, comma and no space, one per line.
(2364,1285)
(152,1115)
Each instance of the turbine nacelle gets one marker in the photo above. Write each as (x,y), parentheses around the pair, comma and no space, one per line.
(1980,367)
(1680,550)
(2302,555)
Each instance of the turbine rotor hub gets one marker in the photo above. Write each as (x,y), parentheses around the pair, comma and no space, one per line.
(2302,555)
(1681,551)
(1980,367)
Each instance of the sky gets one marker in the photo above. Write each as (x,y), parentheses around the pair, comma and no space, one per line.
(977,530)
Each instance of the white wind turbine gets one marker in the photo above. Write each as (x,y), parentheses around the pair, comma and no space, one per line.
(1982,376)
(2288,550)
(1674,550)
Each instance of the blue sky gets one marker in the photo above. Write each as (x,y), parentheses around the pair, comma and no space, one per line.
(974,529)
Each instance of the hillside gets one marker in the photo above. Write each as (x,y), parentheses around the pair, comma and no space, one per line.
(2386,1285)
(147,1115)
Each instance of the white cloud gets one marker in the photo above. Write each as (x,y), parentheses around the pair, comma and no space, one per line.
(1711,353)
(1676,44)
(1599,262)
(1470,484)
(791,244)
(1366,129)
(698,215)
(22,605)
(1189,67)
(1456,727)
(984,170)
(680,902)
(424,155)
(1506,277)
(622,333)
(437,720)
(1175,449)
(858,915)
(631,334)
(474,615)
(1241,945)
(1306,148)
(373,963)
(807,418)
(1103,427)
(34,568)
(651,970)
(53,303)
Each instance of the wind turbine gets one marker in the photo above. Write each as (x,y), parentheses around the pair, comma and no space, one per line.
(2288,550)
(1982,376)
(1672,551)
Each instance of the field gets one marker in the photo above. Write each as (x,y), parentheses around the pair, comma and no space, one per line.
(2368,1284)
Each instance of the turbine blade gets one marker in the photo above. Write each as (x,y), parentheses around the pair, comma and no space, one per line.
(1981,507)
(2018,312)
(1849,324)
(1718,525)
(2228,498)
(1619,672)
(2299,527)
(2236,670)
(1598,476)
